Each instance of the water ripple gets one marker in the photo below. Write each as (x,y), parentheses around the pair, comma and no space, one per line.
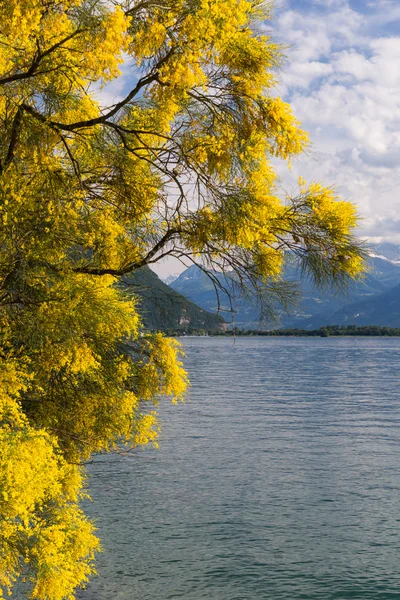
(279,479)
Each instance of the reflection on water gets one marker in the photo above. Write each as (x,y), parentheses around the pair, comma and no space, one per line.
(278,480)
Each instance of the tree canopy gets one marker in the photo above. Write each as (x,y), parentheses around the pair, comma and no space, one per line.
(180,166)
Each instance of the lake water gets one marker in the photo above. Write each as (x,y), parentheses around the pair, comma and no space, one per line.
(279,479)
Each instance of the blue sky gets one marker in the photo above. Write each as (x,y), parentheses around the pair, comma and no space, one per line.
(342,78)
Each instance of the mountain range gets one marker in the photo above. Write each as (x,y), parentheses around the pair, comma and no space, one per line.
(373,301)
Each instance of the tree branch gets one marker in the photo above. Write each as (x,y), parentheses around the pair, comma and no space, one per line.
(15,132)
(132,266)
(154,76)
(32,71)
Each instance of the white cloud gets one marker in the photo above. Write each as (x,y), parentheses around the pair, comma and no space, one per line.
(352,62)
(302,74)
(385,12)
(343,81)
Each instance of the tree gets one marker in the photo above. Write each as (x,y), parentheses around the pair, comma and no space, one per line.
(180,166)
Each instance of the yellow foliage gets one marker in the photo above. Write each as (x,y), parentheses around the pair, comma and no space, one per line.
(41,523)
(181,164)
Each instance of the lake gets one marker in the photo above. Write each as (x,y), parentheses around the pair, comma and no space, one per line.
(278,479)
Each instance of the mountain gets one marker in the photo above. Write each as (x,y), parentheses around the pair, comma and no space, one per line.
(383,309)
(384,271)
(194,284)
(170,278)
(386,251)
(164,309)
(377,309)
(314,306)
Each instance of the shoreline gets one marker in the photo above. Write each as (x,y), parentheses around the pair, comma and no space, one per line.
(327,331)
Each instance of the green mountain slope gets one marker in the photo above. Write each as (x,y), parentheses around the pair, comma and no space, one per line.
(164,309)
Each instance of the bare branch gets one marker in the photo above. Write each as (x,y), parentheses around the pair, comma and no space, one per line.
(167,237)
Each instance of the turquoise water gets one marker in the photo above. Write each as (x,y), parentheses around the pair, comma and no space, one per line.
(279,479)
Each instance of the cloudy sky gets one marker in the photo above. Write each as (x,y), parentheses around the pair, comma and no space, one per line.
(342,78)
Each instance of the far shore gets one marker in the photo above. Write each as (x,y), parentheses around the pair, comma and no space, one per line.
(327,331)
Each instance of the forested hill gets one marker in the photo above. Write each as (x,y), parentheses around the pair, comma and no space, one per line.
(163,309)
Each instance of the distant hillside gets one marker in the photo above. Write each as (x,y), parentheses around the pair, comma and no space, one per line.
(387,273)
(194,284)
(163,309)
(315,309)
(383,309)
(390,252)
(377,309)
